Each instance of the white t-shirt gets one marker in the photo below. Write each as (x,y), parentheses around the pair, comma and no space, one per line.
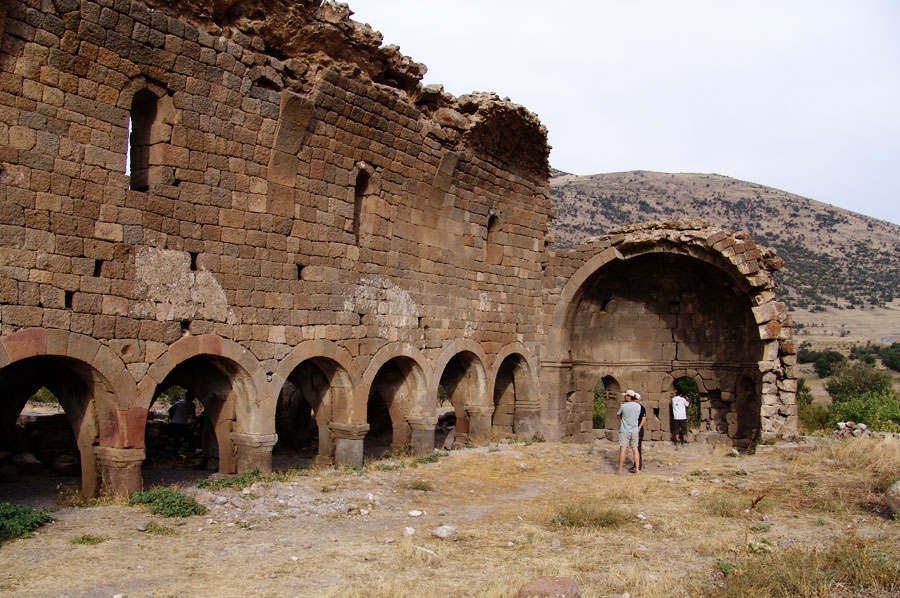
(679,407)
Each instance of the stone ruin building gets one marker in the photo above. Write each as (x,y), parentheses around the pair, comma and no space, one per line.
(261,203)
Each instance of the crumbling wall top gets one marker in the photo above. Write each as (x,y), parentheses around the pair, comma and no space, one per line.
(305,36)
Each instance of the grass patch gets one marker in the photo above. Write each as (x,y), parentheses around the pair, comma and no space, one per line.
(238,482)
(158,529)
(17,521)
(168,502)
(851,567)
(724,505)
(582,515)
(421,485)
(86,540)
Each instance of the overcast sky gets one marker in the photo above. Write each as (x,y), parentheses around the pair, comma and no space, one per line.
(800,95)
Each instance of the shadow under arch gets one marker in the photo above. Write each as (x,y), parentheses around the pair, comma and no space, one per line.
(234,390)
(317,381)
(94,389)
(516,398)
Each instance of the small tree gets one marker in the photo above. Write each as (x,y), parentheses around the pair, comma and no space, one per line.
(826,363)
(890,357)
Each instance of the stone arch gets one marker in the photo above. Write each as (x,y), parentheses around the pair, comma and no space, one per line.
(151,114)
(396,398)
(321,376)
(232,387)
(641,309)
(461,371)
(516,396)
(95,390)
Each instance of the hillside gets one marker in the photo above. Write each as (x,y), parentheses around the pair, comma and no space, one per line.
(834,259)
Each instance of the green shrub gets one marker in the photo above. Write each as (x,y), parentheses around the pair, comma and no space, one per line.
(599,415)
(44,395)
(890,357)
(168,502)
(17,521)
(879,410)
(688,388)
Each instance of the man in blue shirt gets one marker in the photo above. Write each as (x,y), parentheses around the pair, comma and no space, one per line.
(629,415)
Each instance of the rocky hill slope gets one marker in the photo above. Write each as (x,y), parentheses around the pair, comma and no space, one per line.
(834,258)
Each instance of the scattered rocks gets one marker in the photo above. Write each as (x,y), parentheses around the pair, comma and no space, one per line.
(446,532)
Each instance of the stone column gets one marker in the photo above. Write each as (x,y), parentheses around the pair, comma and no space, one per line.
(348,443)
(422,428)
(120,469)
(480,420)
(253,451)
(527,419)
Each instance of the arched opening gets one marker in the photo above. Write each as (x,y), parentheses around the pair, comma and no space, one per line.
(48,444)
(140,125)
(397,388)
(362,200)
(464,380)
(505,395)
(493,245)
(747,412)
(612,397)
(214,386)
(640,319)
(698,411)
(516,406)
(304,410)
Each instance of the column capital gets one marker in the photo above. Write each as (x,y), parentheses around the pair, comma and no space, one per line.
(348,431)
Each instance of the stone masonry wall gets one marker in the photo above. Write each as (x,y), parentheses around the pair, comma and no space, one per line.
(247,228)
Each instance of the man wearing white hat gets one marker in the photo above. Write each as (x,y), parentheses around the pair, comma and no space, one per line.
(629,415)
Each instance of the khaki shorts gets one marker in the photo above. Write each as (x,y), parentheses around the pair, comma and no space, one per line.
(628,438)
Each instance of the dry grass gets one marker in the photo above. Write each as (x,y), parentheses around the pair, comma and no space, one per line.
(529,510)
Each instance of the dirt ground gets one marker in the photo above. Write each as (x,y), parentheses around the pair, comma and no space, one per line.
(372,532)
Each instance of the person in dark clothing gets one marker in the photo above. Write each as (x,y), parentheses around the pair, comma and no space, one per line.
(642,419)
(181,416)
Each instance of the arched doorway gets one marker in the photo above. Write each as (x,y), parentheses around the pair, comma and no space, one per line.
(464,380)
(512,391)
(53,444)
(395,393)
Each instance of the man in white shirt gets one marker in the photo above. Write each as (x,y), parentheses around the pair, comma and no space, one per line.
(679,415)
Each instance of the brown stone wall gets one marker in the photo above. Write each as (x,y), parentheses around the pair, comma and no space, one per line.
(247,228)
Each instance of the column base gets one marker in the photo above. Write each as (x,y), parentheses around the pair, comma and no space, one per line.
(120,469)
(253,451)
